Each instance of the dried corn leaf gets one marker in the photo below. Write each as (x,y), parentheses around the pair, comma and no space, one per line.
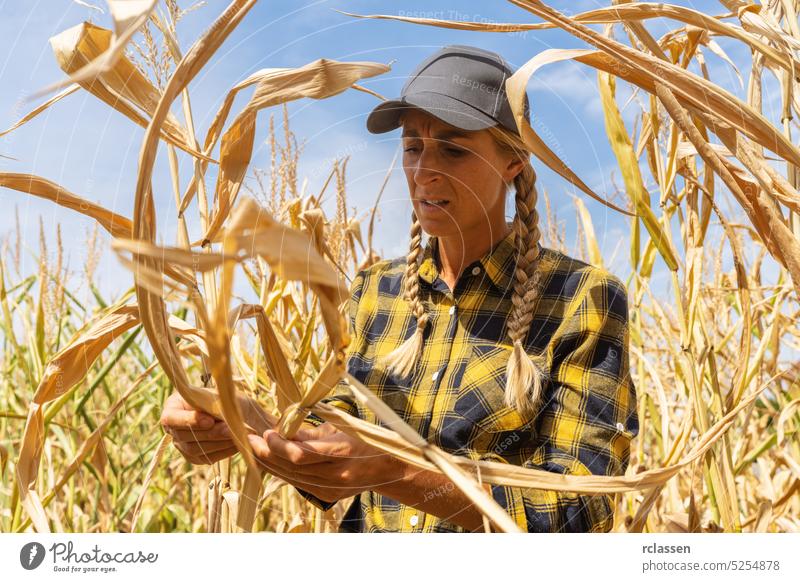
(151,305)
(129,16)
(290,254)
(123,87)
(516,90)
(38,109)
(277,366)
(218,338)
(230,508)
(61,373)
(638,11)
(595,255)
(115,224)
(67,367)
(319,79)
(629,166)
(401,441)
(3,459)
(691,90)
(634,12)
(246,512)
(763,518)
(93,439)
(295,414)
(89,5)
(788,411)
(444,462)
(161,449)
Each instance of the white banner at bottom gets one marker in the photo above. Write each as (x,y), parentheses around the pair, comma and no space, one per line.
(389,557)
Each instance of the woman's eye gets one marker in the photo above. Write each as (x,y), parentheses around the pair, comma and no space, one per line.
(455,152)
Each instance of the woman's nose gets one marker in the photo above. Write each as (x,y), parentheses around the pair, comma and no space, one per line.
(427,167)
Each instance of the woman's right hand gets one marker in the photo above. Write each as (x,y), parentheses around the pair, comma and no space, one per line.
(200,438)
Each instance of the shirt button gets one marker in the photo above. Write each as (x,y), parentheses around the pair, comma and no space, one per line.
(476,270)
(452,310)
(435,375)
(414,520)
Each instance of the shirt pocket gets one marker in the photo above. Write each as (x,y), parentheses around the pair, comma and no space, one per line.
(480,397)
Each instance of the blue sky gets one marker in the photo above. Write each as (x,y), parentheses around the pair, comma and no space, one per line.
(91,150)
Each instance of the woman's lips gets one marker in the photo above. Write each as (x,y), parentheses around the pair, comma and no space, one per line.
(433,209)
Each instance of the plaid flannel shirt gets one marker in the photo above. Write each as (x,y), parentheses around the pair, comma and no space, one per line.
(579,336)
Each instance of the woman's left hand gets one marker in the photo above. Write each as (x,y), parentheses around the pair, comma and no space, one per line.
(326,462)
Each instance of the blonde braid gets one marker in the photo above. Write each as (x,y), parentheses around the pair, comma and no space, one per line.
(402,360)
(524,377)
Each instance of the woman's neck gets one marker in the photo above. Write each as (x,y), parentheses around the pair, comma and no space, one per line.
(456,252)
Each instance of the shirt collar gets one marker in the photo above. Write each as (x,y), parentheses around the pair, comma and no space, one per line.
(498,263)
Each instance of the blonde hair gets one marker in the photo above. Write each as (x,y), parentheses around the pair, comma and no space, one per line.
(525,378)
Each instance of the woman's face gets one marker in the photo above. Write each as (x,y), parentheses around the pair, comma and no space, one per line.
(465,169)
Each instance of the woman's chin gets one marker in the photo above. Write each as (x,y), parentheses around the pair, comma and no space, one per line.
(444,225)
(438,228)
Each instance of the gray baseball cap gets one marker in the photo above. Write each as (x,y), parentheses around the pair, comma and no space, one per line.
(461,85)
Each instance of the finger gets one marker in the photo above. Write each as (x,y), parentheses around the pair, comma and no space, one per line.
(181,402)
(267,457)
(174,400)
(219,432)
(330,447)
(297,453)
(265,453)
(177,418)
(306,477)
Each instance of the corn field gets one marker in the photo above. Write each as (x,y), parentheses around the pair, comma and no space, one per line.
(244,313)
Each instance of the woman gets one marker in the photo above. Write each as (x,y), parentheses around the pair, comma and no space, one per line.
(484,341)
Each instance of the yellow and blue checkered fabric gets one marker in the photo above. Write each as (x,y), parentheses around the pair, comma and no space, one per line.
(579,337)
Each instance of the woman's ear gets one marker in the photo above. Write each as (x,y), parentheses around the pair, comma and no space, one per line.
(513,169)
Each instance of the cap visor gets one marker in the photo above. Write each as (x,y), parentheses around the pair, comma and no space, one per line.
(386,116)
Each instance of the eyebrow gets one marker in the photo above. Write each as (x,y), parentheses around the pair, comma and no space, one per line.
(447,134)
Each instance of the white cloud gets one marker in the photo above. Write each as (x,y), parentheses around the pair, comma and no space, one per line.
(572,83)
